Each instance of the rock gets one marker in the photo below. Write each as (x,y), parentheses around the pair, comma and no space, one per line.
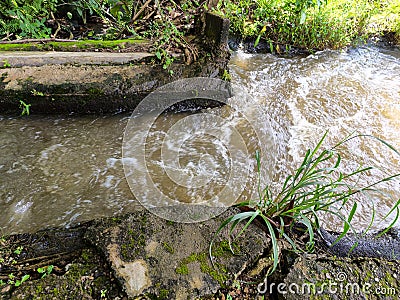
(154,257)
(386,246)
(313,277)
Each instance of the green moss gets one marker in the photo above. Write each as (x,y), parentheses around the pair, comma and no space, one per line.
(163,294)
(223,249)
(143,220)
(39,289)
(86,255)
(390,279)
(95,91)
(219,273)
(76,271)
(320,297)
(79,44)
(136,240)
(368,276)
(182,270)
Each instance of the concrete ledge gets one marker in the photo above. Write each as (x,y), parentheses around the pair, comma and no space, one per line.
(100,82)
(91,88)
(38,58)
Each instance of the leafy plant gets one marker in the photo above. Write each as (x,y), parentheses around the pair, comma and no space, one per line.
(37,93)
(8,259)
(13,281)
(226,76)
(23,279)
(103,293)
(306,24)
(18,250)
(26,19)
(25,108)
(6,64)
(45,270)
(318,185)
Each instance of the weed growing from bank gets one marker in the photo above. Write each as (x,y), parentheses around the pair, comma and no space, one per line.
(25,108)
(317,186)
(8,260)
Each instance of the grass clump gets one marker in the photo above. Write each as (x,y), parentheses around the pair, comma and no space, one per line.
(317,186)
(310,24)
(386,21)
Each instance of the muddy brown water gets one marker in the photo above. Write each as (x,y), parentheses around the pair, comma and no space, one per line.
(59,171)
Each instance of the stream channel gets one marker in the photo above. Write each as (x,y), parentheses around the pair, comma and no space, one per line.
(62,170)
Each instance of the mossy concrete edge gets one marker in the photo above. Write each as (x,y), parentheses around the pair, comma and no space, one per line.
(99,83)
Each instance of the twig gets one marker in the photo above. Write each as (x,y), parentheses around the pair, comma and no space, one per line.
(149,15)
(58,25)
(140,11)
(7,36)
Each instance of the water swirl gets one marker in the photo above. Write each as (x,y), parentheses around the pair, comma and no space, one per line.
(192,167)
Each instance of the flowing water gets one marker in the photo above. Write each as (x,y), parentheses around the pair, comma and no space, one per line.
(59,171)
(340,91)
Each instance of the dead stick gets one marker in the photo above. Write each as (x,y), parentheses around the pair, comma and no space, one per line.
(140,11)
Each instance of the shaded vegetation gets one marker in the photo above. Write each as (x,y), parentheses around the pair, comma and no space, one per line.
(281,24)
(94,19)
(167,23)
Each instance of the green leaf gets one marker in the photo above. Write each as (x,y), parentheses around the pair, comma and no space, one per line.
(395,207)
(25,278)
(347,225)
(275,248)
(310,243)
(50,269)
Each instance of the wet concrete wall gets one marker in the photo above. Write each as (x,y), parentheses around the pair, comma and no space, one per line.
(66,82)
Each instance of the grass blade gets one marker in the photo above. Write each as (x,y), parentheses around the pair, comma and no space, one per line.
(347,225)
(275,248)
